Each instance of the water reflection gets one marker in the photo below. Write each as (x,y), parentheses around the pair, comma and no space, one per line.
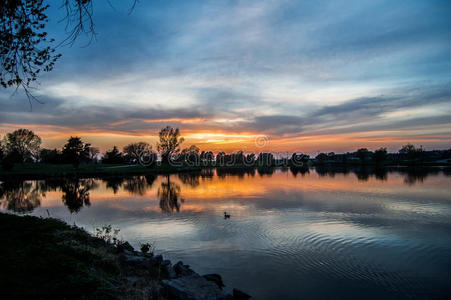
(114,183)
(139,185)
(20,196)
(265,171)
(342,232)
(169,194)
(135,185)
(364,173)
(418,175)
(75,193)
(191,179)
(222,173)
(295,171)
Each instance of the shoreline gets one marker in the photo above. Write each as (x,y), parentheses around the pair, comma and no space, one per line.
(34,171)
(67,261)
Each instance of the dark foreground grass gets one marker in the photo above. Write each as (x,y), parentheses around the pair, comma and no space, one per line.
(48,259)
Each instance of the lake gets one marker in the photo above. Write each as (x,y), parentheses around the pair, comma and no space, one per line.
(323,233)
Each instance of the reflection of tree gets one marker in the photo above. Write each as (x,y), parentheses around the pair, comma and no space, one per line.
(381,174)
(265,171)
(135,185)
(113,183)
(169,193)
(363,174)
(138,185)
(240,172)
(207,173)
(150,179)
(295,171)
(49,185)
(191,179)
(19,196)
(76,193)
(414,176)
(321,170)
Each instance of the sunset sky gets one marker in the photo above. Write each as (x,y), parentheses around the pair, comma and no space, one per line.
(302,76)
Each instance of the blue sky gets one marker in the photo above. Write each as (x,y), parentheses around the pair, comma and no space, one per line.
(308,75)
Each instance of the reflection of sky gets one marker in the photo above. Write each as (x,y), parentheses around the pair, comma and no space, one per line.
(386,237)
(228,71)
(341,193)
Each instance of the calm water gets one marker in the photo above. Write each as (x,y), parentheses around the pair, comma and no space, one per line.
(291,235)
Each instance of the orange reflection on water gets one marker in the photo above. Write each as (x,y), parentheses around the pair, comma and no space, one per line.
(219,191)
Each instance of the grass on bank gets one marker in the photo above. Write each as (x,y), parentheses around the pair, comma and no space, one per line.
(54,170)
(48,259)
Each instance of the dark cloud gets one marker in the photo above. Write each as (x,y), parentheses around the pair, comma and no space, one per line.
(277,124)
(370,108)
(67,112)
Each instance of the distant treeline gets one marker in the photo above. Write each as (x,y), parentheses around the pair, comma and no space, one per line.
(408,154)
(23,146)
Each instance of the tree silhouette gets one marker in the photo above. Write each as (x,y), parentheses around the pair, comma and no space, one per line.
(133,151)
(362,154)
(380,155)
(410,152)
(24,46)
(220,158)
(321,157)
(206,157)
(50,156)
(26,51)
(191,155)
(76,151)
(169,143)
(114,156)
(265,159)
(24,143)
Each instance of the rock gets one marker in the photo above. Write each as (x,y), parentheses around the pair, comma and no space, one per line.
(216,278)
(182,270)
(192,287)
(165,263)
(166,267)
(240,295)
(158,259)
(125,246)
(126,252)
(135,260)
